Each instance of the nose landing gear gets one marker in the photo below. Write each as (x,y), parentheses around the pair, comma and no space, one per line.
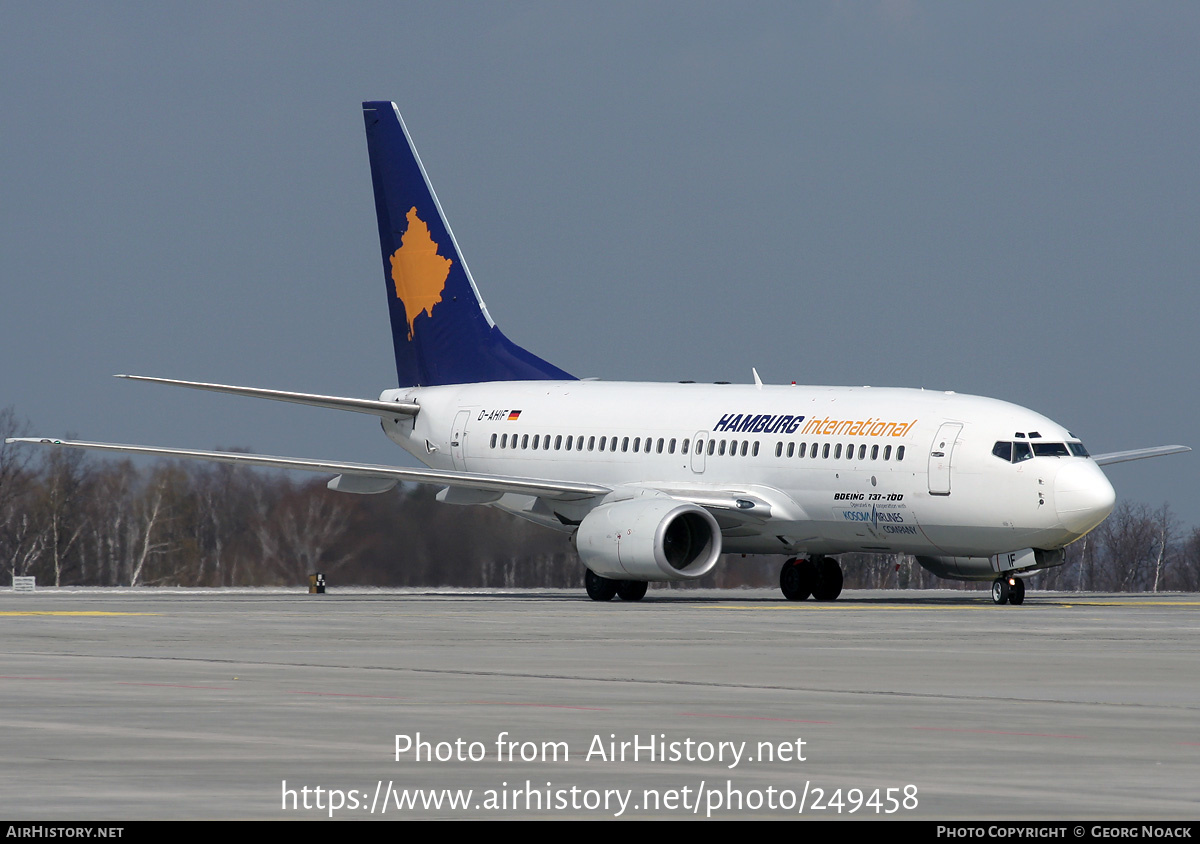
(1008,589)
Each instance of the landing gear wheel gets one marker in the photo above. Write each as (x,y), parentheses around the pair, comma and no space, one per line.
(631,590)
(1000,590)
(599,588)
(829,579)
(796,579)
(1016,592)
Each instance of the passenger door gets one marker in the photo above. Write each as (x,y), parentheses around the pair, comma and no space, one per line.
(940,455)
(458,439)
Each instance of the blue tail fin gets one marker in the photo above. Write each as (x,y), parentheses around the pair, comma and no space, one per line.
(440,328)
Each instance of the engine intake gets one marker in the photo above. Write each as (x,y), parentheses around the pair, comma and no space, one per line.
(649,539)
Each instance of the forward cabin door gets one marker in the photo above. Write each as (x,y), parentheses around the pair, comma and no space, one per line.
(940,455)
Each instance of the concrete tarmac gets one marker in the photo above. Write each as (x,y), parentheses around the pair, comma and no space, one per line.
(143,704)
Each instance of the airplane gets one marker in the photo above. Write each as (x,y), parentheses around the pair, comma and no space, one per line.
(652,481)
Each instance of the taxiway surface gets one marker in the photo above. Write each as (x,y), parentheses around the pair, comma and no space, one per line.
(133,704)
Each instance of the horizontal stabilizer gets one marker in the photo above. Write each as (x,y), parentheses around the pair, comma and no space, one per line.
(558,490)
(378,408)
(1138,454)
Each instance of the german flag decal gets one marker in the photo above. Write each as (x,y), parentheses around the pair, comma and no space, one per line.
(514,415)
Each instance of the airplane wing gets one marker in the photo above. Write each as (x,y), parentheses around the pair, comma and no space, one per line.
(557,490)
(377,408)
(1138,454)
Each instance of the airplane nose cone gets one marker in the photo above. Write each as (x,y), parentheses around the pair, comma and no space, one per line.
(1083,497)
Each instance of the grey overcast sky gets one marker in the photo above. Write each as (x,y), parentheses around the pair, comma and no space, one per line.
(993,198)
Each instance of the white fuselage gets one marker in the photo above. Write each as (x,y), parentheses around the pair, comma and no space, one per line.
(824,470)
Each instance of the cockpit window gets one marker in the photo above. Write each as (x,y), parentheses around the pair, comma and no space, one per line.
(1019,451)
(1050,450)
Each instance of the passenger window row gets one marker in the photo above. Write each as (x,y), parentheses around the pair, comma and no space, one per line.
(826,451)
(570,442)
(715,447)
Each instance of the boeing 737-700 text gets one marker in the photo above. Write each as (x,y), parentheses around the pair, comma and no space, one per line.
(655,481)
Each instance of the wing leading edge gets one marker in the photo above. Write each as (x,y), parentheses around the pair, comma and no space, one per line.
(1138,454)
(557,490)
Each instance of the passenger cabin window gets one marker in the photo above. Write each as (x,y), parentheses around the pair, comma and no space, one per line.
(900,452)
(493,440)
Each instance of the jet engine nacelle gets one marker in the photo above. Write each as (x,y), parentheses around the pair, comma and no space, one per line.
(649,539)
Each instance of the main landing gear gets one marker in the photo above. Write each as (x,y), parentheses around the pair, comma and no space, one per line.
(818,576)
(1008,589)
(605,589)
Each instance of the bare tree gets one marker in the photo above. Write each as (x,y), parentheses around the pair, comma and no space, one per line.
(302,532)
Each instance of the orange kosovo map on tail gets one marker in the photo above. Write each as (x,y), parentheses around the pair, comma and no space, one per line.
(418,271)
